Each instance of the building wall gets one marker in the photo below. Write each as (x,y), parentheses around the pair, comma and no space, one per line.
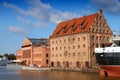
(77,50)
(72,50)
(27,55)
(19,54)
(39,55)
(34,54)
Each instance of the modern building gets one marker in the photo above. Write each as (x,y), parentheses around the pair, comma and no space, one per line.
(72,43)
(34,52)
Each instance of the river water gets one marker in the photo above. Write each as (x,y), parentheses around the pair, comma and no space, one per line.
(10,74)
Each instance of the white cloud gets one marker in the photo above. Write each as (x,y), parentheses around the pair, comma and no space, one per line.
(111,6)
(17,30)
(42,12)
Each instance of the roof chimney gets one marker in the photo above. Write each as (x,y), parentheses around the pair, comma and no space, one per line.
(100,11)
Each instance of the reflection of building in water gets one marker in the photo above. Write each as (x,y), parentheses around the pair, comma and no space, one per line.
(34,52)
(72,42)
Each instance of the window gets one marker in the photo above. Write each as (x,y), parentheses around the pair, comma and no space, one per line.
(100,30)
(100,17)
(56,42)
(52,42)
(107,31)
(52,55)
(97,30)
(73,47)
(56,55)
(78,53)
(60,55)
(83,38)
(69,39)
(68,47)
(103,31)
(93,30)
(64,47)
(64,40)
(47,61)
(60,41)
(56,48)
(92,38)
(108,38)
(78,39)
(78,46)
(52,48)
(73,39)
(84,53)
(73,54)
(47,55)
(69,54)
(83,45)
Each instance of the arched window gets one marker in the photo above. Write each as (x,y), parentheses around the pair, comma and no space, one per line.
(92,37)
(52,64)
(78,39)
(78,46)
(83,45)
(73,47)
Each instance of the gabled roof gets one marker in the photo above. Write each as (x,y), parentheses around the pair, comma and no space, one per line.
(38,41)
(74,26)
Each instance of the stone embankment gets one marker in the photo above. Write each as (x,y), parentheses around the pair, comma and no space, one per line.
(34,68)
(85,70)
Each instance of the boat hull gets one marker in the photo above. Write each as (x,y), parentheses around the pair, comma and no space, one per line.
(109,70)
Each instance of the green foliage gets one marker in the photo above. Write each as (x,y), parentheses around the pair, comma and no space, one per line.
(10,56)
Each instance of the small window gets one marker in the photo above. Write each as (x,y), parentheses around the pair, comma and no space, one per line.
(68,47)
(53,48)
(60,41)
(64,47)
(60,48)
(73,39)
(47,55)
(73,47)
(83,38)
(64,40)
(52,55)
(73,54)
(56,48)
(56,55)
(83,45)
(92,38)
(78,46)
(56,42)
(78,39)
(52,42)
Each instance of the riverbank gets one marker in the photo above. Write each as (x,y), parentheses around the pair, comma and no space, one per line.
(34,68)
(19,67)
(87,70)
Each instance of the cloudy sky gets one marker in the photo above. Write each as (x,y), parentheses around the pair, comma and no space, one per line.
(38,18)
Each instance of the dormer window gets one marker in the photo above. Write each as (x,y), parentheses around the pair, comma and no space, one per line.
(100,17)
(80,25)
(71,28)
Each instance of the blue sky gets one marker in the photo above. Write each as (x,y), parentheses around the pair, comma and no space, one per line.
(38,18)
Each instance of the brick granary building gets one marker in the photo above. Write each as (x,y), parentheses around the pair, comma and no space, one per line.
(72,43)
(34,52)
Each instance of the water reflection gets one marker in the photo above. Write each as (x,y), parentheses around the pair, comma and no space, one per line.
(7,74)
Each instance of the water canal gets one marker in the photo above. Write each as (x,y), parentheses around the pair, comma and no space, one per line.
(8,74)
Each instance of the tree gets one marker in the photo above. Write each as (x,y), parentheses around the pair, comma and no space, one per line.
(6,55)
(12,57)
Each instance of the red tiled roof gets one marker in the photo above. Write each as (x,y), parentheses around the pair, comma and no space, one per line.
(74,26)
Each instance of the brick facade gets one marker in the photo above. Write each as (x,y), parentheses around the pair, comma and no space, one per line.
(72,43)
(34,52)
